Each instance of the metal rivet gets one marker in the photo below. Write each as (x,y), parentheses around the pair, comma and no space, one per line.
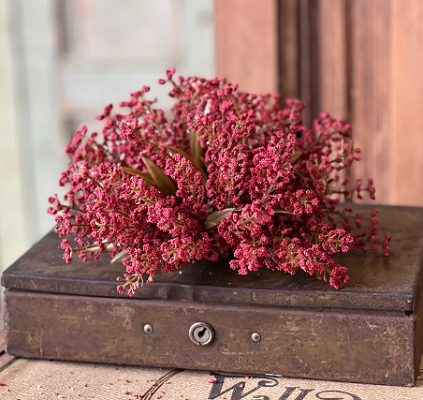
(148,329)
(256,337)
(201,334)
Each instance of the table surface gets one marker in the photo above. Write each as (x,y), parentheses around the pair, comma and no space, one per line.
(22,379)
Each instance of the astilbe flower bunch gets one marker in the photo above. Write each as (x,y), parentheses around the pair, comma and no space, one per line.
(229,173)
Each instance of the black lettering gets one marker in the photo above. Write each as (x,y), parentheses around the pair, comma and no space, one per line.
(290,390)
(238,389)
(268,382)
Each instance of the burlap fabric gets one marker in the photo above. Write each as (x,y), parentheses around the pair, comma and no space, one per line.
(34,379)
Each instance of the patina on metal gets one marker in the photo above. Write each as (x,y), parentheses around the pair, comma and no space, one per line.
(371,331)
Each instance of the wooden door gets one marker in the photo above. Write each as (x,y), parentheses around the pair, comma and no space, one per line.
(357,59)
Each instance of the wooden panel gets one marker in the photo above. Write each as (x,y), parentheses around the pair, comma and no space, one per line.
(370,92)
(368,63)
(309,59)
(246,43)
(407,102)
(332,26)
(332,72)
(288,48)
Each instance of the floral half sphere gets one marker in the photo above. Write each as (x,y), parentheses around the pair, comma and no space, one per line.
(229,174)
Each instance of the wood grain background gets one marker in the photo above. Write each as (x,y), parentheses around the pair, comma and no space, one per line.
(246,40)
(357,59)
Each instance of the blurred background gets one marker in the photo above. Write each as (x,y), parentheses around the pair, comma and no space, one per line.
(62,61)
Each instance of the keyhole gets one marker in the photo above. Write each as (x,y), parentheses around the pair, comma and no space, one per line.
(201,334)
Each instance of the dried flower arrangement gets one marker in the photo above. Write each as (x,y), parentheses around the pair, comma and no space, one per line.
(229,173)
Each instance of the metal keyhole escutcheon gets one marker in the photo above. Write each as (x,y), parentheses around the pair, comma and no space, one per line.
(201,334)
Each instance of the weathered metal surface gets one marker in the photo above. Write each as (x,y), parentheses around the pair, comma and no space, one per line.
(418,333)
(345,345)
(266,322)
(377,282)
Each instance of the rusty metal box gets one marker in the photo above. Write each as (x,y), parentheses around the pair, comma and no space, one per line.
(267,322)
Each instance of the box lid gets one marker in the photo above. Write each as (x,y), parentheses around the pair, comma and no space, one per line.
(376,282)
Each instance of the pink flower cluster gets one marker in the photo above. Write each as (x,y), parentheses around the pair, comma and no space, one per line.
(228,173)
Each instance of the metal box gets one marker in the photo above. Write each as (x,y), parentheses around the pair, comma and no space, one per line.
(267,322)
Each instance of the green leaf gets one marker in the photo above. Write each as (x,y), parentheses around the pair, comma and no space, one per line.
(162,181)
(195,162)
(278,211)
(295,156)
(217,217)
(196,149)
(206,164)
(147,177)
(118,255)
(209,225)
